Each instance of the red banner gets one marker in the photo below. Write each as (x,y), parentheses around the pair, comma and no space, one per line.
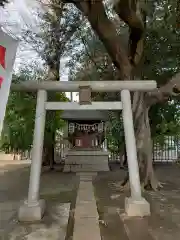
(1,80)
(2,56)
(8,48)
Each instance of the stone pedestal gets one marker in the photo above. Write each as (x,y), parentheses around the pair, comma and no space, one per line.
(86,161)
(137,208)
(31,213)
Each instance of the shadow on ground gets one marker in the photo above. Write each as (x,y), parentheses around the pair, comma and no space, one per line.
(58,190)
(164,222)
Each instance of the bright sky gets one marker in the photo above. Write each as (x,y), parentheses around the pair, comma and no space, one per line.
(14,18)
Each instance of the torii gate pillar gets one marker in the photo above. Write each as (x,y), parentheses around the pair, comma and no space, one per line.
(33,209)
(136,205)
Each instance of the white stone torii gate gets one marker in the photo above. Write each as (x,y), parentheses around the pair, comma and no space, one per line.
(33,208)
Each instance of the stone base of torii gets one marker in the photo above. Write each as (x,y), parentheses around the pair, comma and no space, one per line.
(33,208)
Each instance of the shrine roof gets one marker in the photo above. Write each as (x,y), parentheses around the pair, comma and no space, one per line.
(84,115)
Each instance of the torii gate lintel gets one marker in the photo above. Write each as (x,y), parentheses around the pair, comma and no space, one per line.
(136,205)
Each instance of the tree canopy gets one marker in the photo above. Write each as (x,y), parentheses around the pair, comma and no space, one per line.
(129,40)
(161,61)
(20,115)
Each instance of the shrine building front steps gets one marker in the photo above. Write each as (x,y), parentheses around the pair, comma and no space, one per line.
(84,160)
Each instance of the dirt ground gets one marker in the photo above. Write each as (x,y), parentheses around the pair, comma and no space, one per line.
(56,187)
(58,190)
(164,222)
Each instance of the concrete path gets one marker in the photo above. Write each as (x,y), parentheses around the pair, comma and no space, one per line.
(86,218)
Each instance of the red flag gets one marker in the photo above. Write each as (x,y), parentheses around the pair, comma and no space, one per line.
(1,80)
(2,56)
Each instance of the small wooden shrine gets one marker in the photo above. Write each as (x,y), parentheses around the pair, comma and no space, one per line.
(86,133)
(86,130)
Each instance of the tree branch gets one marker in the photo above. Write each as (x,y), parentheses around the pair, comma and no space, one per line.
(107,33)
(129,11)
(171,88)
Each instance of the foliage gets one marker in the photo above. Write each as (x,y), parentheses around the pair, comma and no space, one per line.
(165,120)
(161,61)
(54,122)
(19,119)
(115,133)
(57,24)
(20,115)
(19,122)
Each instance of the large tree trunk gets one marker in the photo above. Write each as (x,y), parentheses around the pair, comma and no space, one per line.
(49,151)
(105,29)
(107,33)
(125,163)
(50,133)
(143,141)
(130,12)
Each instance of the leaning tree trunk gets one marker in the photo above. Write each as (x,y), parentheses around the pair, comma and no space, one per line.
(50,133)
(50,153)
(144,141)
(48,150)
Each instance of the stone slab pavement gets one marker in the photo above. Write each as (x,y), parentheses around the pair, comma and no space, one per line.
(86,218)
